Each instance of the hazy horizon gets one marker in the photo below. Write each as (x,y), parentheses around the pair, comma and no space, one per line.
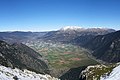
(51,30)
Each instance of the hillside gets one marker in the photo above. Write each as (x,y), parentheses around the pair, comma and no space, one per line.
(7,73)
(21,56)
(101,72)
(114,75)
(106,47)
(73,73)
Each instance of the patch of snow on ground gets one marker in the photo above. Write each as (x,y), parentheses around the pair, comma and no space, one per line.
(11,74)
(114,75)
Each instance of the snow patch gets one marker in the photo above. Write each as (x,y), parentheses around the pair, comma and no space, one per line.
(17,74)
(114,75)
(71,28)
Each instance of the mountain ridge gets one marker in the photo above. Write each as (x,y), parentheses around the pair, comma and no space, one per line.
(22,57)
(69,36)
(104,45)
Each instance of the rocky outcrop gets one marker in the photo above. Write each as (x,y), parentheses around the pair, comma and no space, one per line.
(114,75)
(96,71)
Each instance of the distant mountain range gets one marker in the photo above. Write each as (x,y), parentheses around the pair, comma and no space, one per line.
(19,36)
(75,35)
(99,40)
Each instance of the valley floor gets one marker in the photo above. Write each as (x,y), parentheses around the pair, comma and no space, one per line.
(61,57)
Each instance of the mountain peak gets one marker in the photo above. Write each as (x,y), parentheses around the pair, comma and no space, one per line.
(70,28)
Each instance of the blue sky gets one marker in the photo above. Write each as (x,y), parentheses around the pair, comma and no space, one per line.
(45,15)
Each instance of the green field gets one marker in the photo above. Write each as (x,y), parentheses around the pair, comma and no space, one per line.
(62,57)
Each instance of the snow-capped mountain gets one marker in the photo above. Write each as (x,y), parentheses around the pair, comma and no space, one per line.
(78,28)
(114,75)
(75,34)
(71,28)
(17,74)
